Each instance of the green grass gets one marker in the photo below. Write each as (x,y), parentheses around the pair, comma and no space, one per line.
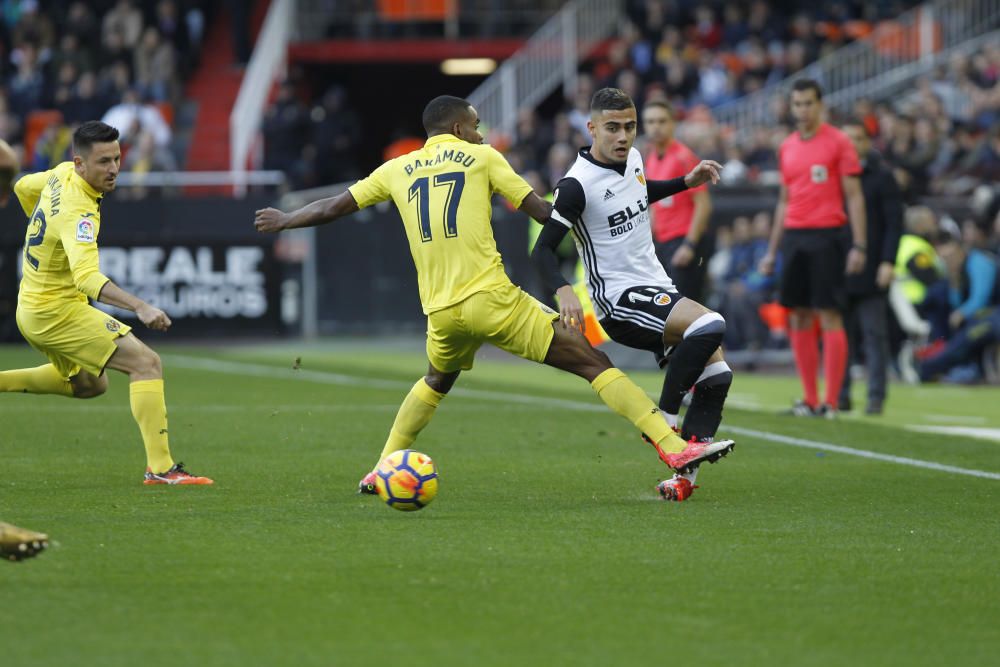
(546,545)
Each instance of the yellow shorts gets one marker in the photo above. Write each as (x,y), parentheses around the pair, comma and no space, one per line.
(73,336)
(506,317)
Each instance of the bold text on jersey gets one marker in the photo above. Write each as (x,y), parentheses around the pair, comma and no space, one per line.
(449,155)
(621,221)
(56,187)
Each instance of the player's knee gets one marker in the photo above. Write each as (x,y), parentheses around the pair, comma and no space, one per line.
(710,325)
(150,364)
(91,389)
(441,382)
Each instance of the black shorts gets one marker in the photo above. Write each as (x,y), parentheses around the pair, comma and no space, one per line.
(640,317)
(813,268)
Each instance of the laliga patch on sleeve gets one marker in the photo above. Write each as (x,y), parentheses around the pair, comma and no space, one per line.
(85,231)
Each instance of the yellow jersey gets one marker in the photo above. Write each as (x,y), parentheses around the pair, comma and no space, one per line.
(60,245)
(443,193)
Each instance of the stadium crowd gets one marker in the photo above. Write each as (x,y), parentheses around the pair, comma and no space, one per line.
(63,62)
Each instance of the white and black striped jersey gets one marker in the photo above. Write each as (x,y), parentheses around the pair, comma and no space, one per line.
(607,208)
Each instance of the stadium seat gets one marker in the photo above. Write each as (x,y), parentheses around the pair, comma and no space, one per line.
(37,122)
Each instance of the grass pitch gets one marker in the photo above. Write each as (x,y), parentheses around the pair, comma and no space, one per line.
(547,544)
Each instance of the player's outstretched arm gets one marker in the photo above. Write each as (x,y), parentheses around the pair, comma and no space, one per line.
(536,207)
(151,316)
(320,212)
(703,172)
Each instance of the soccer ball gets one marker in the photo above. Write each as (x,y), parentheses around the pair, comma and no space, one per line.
(406,480)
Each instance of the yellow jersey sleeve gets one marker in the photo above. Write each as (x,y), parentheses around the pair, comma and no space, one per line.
(374,188)
(504,179)
(79,240)
(28,189)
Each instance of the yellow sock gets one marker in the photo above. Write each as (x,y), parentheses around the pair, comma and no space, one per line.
(414,414)
(150,411)
(627,399)
(39,380)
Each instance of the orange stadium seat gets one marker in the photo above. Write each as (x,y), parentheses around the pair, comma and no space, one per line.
(36,123)
(416,10)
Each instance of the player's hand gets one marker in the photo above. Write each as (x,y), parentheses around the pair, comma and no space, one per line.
(570,308)
(270,220)
(766,265)
(886,272)
(683,256)
(855,261)
(18,543)
(153,317)
(704,171)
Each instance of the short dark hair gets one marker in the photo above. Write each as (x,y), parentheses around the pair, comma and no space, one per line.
(92,132)
(610,99)
(808,84)
(661,103)
(442,112)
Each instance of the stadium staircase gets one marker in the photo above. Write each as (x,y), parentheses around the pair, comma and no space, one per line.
(214,87)
(548,60)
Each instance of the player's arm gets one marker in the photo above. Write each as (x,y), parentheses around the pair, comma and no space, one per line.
(568,204)
(703,172)
(319,212)
(856,215)
(777,231)
(536,207)
(28,189)
(80,243)
(149,315)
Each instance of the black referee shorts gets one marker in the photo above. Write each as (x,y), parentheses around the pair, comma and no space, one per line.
(813,262)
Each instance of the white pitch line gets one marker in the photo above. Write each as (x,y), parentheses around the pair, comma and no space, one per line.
(864,453)
(324,377)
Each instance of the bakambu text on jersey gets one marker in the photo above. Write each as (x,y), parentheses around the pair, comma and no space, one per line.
(446,155)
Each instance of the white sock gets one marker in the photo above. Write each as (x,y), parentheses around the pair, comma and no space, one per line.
(671,419)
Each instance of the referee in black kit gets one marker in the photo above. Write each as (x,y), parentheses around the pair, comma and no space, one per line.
(868,303)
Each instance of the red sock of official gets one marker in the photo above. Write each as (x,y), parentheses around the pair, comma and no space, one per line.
(834,363)
(805,347)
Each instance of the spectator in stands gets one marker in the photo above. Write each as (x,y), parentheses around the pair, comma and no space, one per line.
(124,20)
(70,51)
(87,102)
(114,51)
(909,158)
(132,117)
(867,292)
(286,133)
(173,29)
(974,295)
(143,158)
(746,289)
(33,27)
(336,133)
(80,23)
(26,86)
(154,66)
